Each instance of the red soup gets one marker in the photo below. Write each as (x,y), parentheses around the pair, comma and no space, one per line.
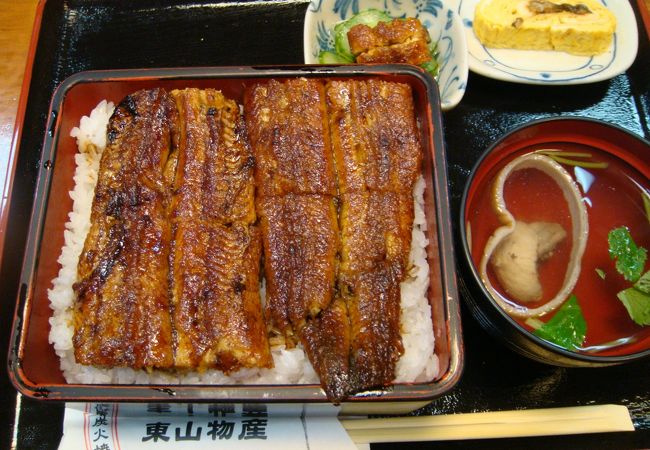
(614,197)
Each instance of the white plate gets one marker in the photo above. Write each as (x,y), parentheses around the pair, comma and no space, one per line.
(443,25)
(550,67)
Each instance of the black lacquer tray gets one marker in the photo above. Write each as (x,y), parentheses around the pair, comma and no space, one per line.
(81,35)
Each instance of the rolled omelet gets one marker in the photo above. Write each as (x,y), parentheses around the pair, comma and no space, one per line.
(578,27)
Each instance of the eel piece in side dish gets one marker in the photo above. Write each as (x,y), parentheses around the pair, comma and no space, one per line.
(288,129)
(374,135)
(398,41)
(300,237)
(217,312)
(121,315)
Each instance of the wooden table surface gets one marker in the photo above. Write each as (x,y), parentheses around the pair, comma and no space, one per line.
(16,23)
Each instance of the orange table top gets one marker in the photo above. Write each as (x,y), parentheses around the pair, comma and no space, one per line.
(16,23)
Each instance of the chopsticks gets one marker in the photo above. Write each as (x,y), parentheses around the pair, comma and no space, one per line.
(487,425)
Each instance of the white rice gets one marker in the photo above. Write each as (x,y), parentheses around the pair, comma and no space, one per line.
(417,364)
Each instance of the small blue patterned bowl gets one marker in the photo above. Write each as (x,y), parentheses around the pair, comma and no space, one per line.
(443,24)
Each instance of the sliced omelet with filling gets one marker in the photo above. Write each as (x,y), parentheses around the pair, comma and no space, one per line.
(578,27)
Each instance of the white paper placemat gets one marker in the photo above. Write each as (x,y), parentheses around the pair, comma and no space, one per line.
(106,426)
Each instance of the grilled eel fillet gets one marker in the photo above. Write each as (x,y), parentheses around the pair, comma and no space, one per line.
(171,230)
(287,125)
(377,152)
(216,250)
(374,136)
(352,337)
(121,315)
(300,237)
(296,186)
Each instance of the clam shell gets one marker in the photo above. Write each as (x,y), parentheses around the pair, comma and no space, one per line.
(580,231)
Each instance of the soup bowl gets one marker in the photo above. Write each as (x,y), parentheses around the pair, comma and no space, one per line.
(556,217)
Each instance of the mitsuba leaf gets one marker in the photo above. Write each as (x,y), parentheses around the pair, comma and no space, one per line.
(646,204)
(637,304)
(630,259)
(643,284)
(567,328)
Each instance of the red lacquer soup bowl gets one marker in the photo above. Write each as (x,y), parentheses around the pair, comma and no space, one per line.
(589,180)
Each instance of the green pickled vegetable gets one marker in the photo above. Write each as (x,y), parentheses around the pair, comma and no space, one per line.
(567,328)
(432,66)
(326,57)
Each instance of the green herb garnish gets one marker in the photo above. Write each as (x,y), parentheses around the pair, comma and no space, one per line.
(637,304)
(567,328)
(637,300)
(630,259)
(643,284)
(566,158)
(600,273)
